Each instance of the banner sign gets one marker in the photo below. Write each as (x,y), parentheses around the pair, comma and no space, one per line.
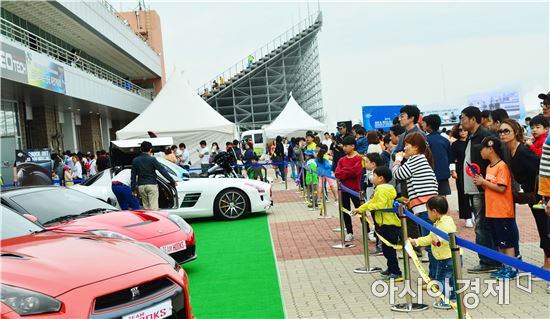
(13,63)
(31,68)
(45,74)
(33,167)
(380,116)
(507,100)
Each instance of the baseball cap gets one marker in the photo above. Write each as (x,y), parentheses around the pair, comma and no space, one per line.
(543,96)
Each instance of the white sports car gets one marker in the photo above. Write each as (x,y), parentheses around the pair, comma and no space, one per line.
(227,198)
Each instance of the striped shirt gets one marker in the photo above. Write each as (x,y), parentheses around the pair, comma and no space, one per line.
(419,176)
(544,169)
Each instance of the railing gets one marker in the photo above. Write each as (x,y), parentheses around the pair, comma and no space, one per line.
(36,43)
(113,11)
(244,64)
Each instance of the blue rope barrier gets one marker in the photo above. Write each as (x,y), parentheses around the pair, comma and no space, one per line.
(487,252)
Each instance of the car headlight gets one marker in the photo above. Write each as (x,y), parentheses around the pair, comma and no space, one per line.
(182,224)
(28,302)
(110,234)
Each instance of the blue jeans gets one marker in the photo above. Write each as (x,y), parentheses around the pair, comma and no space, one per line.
(282,171)
(444,269)
(293,167)
(124,197)
(425,232)
(482,229)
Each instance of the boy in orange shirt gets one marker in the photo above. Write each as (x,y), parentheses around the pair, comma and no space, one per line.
(499,202)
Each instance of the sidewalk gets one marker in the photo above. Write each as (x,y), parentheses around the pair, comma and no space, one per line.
(317,281)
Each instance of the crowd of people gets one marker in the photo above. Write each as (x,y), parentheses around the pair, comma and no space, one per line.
(70,167)
(495,162)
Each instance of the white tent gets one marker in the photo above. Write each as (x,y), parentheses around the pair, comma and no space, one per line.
(179,112)
(293,121)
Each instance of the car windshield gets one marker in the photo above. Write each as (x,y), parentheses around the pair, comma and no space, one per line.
(173,169)
(15,225)
(55,203)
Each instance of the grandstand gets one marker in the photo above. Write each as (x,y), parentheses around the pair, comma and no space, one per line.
(254,91)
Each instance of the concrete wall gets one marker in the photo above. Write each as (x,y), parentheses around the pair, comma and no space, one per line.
(100,19)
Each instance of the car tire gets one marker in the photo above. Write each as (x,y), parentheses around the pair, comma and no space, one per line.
(231,204)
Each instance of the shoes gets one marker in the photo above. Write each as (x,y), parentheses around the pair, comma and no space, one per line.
(469,223)
(548,289)
(481,269)
(424,257)
(508,273)
(349,237)
(440,304)
(371,236)
(376,252)
(497,273)
(385,273)
(396,278)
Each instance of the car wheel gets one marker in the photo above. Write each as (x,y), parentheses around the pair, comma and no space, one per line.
(231,204)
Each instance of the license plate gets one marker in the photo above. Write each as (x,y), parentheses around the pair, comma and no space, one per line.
(162,310)
(174,247)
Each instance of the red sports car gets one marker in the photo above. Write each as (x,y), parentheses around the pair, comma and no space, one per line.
(64,209)
(47,274)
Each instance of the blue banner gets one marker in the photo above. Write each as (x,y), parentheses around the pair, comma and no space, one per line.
(380,116)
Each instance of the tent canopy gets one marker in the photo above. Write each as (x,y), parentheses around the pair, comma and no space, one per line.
(179,112)
(293,120)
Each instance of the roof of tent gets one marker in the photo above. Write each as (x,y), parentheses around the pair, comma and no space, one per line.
(293,120)
(178,111)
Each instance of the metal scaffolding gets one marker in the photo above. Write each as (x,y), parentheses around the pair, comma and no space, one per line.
(257,93)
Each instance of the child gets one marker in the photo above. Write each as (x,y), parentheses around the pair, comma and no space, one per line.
(437,211)
(539,127)
(311,177)
(372,161)
(387,223)
(388,148)
(349,171)
(499,203)
(324,167)
(68,176)
(255,171)
(421,182)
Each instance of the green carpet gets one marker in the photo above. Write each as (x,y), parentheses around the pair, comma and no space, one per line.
(235,273)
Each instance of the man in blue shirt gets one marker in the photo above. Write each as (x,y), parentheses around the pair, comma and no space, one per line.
(441,153)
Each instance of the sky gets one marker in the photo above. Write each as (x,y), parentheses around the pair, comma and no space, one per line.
(433,54)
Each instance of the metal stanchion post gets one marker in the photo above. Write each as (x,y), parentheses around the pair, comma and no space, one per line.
(343,244)
(457,273)
(409,306)
(324,213)
(366,269)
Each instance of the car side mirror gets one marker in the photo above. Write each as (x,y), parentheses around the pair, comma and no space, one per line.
(30,217)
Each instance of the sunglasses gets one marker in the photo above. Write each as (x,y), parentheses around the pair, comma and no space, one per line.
(504,132)
(544,104)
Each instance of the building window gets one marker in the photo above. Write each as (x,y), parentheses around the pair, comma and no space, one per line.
(8,119)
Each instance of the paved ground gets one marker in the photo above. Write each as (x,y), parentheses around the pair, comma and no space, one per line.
(317,281)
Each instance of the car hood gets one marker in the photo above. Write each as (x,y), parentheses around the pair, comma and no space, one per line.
(54,263)
(139,225)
